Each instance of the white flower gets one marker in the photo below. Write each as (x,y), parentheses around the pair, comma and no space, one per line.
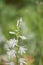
(11,53)
(12,32)
(22,50)
(12,43)
(23,37)
(11,63)
(22,61)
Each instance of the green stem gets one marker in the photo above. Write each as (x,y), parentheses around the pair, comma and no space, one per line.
(17,48)
(17,56)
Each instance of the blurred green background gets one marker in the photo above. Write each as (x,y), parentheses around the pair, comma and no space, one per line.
(32,13)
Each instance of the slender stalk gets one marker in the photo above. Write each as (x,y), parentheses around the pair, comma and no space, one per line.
(17,47)
(17,56)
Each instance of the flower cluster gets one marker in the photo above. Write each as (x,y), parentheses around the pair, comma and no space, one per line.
(14,50)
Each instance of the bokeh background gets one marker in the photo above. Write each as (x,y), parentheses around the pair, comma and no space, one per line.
(32,13)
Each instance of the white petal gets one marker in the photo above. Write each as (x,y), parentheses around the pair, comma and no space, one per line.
(12,43)
(12,32)
(19,22)
(11,53)
(21,19)
(22,61)
(22,50)
(23,37)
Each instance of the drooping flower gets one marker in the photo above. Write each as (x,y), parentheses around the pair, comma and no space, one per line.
(11,53)
(22,50)
(22,61)
(12,43)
